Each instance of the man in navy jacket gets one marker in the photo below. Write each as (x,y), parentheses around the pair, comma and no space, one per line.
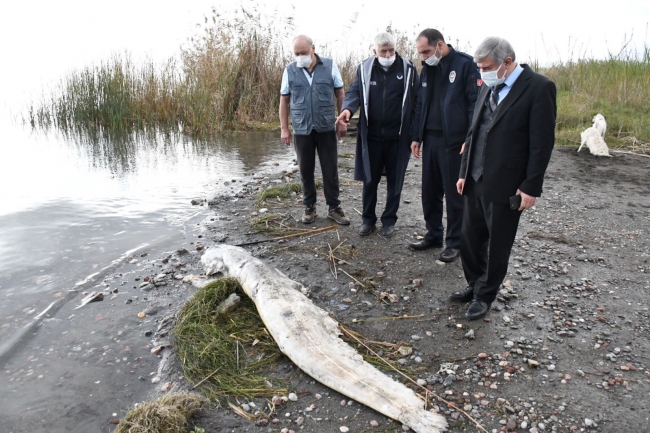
(448,89)
(384,89)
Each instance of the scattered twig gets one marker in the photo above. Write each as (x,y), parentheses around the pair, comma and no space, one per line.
(306,232)
(630,153)
(427,392)
(375,319)
(357,281)
(357,210)
(206,378)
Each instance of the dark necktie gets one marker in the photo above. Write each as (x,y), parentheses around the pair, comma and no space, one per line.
(494,96)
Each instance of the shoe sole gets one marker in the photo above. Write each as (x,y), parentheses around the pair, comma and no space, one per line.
(347,223)
(477,317)
(424,249)
(388,236)
(304,221)
(448,260)
(367,234)
(460,299)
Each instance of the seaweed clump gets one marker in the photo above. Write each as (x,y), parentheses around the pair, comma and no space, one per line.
(228,354)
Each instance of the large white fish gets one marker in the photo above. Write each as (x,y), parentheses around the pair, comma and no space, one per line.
(310,338)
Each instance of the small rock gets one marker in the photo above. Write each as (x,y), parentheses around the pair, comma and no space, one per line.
(293,397)
(344,429)
(374,424)
(470,334)
(300,420)
(166,387)
(416,337)
(533,363)
(551,367)
(589,423)
(417,282)
(482,356)
(155,379)
(246,407)
(511,424)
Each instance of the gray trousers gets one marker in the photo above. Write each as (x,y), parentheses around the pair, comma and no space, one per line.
(325,144)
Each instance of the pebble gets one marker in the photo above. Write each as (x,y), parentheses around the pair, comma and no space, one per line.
(588,422)
(470,334)
(374,424)
(246,407)
(293,397)
(524,424)
(141,314)
(533,363)
(551,367)
(416,337)
(300,420)
(482,356)
(344,429)
(511,424)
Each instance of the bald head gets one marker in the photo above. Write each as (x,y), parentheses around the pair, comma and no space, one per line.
(303,45)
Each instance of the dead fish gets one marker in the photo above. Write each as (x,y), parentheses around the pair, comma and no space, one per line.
(310,338)
(227,305)
(93,297)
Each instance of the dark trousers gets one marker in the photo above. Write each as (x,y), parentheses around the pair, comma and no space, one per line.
(306,148)
(489,231)
(383,158)
(440,168)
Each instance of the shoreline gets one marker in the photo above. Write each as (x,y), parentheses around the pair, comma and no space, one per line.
(557,236)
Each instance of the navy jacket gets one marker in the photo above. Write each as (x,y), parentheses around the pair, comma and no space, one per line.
(357,97)
(460,86)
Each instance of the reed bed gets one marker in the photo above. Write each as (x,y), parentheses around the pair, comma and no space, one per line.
(618,88)
(228,77)
(226,355)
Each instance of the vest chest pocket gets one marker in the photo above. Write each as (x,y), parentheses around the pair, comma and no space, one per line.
(297,95)
(324,89)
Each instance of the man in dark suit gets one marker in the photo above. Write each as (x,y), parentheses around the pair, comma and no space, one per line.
(502,170)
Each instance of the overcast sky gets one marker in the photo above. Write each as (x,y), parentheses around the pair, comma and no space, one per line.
(42,39)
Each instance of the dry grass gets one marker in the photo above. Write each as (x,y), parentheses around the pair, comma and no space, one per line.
(168,414)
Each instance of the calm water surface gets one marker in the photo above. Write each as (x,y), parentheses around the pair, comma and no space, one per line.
(73,205)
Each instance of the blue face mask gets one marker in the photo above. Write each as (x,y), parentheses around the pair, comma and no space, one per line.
(492,79)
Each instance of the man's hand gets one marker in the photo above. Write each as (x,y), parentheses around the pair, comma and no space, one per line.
(341,130)
(527,201)
(460,185)
(285,136)
(344,118)
(462,149)
(415,149)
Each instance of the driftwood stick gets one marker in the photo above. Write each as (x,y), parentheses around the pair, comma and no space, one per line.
(306,232)
(629,153)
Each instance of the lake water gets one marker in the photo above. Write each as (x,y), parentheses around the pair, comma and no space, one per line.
(72,205)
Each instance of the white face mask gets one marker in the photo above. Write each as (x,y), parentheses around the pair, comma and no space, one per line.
(386,62)
(491,78)
(303,61)
(433,60)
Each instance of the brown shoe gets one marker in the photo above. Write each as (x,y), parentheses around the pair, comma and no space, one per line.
(337,215)
(310,214)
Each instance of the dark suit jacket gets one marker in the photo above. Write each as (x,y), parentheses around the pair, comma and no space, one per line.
(520,140)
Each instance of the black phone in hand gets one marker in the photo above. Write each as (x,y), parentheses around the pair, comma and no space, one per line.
(515,202)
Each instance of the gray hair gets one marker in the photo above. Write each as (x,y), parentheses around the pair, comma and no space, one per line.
(306,38)
(384,38)
(498,49)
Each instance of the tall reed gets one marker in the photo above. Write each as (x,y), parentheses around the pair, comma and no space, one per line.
(617,87)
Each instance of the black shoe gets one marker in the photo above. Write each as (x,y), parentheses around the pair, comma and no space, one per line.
(425,244)
(477,309)
(310,214)
(449,255)
(465,295)
(366,229)
(387,231)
